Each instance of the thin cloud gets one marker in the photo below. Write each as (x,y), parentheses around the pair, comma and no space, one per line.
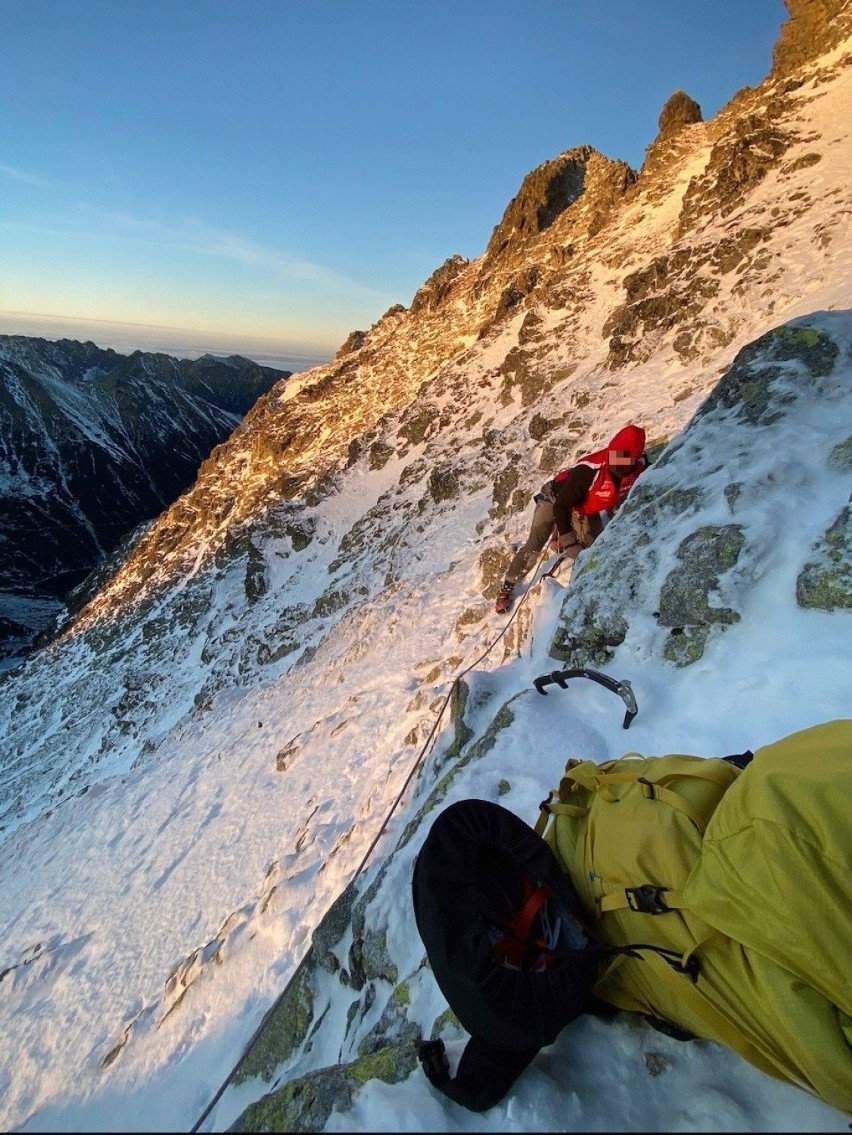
(196,237)
(88,223)
(7,312)
(24,176)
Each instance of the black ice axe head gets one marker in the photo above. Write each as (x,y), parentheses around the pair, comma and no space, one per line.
(623,689)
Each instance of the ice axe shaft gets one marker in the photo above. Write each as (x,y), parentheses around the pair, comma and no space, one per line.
(551,571)
(623,689)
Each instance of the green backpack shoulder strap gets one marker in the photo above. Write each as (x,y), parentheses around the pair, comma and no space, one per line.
(592,779)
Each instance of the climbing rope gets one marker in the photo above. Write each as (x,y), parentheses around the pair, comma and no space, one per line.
(416,765)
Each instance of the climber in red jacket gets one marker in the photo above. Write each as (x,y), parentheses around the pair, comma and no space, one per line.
(574,506)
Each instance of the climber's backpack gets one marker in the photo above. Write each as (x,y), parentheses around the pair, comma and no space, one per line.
(711,896)
(628,833)
(485,882)
(745,875)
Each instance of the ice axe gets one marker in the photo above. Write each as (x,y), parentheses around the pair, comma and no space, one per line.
(623,689)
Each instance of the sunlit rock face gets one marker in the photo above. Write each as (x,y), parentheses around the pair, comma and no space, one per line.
(813,28)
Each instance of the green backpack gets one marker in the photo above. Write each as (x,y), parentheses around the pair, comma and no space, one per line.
(738,884)
(629,832)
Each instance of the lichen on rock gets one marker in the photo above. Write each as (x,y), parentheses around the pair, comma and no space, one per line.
(284,1030)
(840,458)
(759,387)
(704,555)
(306,1103)
(825,582)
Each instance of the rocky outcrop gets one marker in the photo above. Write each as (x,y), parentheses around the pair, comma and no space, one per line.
(679,113)
(430,295)
(354,341)
(679,110)
(544,194)
(306,1103)
(783,391)
(607,183)
(738,161)
(825,582)
(661,297)
(812,28)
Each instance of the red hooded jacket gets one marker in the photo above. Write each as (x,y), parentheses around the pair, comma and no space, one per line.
(605,492)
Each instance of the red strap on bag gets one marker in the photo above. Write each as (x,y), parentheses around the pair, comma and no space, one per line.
(512,948)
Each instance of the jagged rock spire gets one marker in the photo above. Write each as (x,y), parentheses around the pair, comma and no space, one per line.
(544,195)
(680,110)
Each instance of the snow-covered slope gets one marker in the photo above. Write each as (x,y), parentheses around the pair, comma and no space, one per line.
(195,770)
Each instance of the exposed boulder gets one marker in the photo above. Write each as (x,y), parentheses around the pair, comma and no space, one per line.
(759,386)
(825,582)
(685,597)
(330,931)
(306,1103)
(369,960)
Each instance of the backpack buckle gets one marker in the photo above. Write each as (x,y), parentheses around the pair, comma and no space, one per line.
(647,899)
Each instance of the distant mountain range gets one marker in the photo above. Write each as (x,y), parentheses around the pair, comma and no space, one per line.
(92,445)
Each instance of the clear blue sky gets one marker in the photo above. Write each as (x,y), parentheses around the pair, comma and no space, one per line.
(281,171)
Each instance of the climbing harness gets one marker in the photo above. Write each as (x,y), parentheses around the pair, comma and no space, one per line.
(623,689)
